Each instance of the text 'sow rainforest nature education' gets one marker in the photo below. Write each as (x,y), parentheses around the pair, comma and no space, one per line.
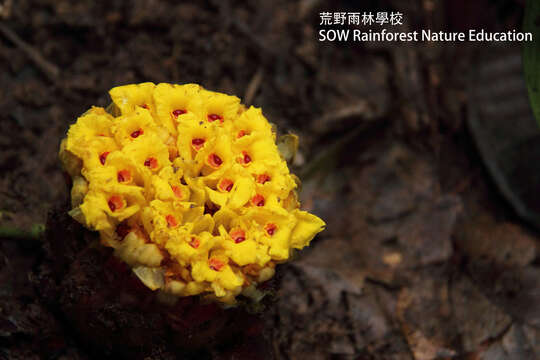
(473,35)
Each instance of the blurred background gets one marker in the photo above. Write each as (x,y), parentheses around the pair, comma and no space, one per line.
(411,152)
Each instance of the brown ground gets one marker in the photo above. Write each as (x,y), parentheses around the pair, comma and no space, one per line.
(422,258)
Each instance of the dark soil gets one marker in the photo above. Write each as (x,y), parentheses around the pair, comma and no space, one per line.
(421,259)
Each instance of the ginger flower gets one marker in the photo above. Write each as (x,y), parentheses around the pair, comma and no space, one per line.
(189,188)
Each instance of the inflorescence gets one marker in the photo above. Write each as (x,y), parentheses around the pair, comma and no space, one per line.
(187,185)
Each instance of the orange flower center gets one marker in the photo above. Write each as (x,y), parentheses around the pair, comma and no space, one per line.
(124,176)
(103,157)
(177,191)
(195,242)
(241,133)
(176,113)
(171,221)
(115,202)
(258,200)
(215,264)
(151,162)
(197,143)
(225,185)
(270,229)
(214,117)
(136,133)
(245,159)
(214,161)
(238,235)
(262,178)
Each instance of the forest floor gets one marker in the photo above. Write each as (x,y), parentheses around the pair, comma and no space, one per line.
(421,258)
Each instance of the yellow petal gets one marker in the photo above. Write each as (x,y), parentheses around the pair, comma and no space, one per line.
(306,228)
(134,126)
(130,97)
(174,102)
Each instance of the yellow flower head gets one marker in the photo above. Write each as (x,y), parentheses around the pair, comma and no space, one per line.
(188,187)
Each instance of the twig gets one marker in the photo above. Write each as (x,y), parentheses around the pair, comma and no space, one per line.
(49,69)
(362,109)
(253,86)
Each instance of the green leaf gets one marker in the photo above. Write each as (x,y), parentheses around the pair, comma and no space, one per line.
(531,55)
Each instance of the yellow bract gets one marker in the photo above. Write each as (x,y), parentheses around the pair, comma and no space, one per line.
(188,187)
